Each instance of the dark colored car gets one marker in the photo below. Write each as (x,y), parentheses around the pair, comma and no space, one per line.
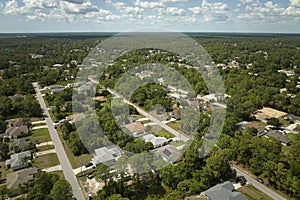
(88,165)
(241,179)
(260,180)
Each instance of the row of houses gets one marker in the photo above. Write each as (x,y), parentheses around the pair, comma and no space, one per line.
(263,115)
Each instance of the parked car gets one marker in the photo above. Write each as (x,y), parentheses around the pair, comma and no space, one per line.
(241,179)
(88,165)
(259,180)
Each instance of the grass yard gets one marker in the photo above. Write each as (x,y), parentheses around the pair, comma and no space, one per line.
(76,161)
(3,171)
(45,148)
(46,161)
(39,124)
(174,125)
(253,194)
(164,133)
(40,135)
(59,173)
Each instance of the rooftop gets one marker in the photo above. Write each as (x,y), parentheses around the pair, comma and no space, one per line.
(100,98)
(281,137)
(224,191)
(169,153)
(16,131)
(16,160)
(267,113)
(135,127)
(106,154)
(18,178)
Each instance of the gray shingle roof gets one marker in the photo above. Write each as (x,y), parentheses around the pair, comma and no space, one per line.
(17,178)
(223,191)
(16,162)
(279,136)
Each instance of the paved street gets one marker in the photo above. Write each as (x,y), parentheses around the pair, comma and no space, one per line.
(177,134)
(61,154)
(182,137)
(258,185)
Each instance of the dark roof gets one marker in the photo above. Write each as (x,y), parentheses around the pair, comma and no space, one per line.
(292,117)
(17,122)
(224,191)
(260,128)
(19,143)
(281,137)
(170,153)
(16,130)
(17,178)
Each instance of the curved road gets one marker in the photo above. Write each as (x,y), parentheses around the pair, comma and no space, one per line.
(60,151)
(259,185)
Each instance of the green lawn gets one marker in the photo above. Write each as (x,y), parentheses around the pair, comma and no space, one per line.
(76,161)
(174,125)
(40,135)
(3,171)
(164,133)
(39,124)
(46,161)
(45,148)
(253,194)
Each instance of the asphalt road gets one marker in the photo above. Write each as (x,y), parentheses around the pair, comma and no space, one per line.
(152,118)
(61,154)
(259,185)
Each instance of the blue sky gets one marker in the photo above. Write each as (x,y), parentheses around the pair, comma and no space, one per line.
(178,15)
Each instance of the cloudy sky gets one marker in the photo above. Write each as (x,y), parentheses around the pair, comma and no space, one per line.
(177,15)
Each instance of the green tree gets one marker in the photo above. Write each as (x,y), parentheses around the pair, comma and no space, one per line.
(274,122)
(61,190)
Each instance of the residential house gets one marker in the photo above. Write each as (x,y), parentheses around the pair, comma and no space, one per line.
(18,145)
(106,155)
(260,128)
(18,161)
(291,117)
(156,141)
(56,89)
(17,122)
(267,113)
(169,153)
(280,136)
(16,131)
(75,117)
(16,96)
(136,128)
(100,98)
(13,180)
(223,191)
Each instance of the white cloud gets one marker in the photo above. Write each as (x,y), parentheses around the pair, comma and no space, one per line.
(12,7)
(84,8)
(171,11)
(148,4)
(195,10)
(256,11)
(295,3)
(173,1)
(36,4)
(215,11)
(75,1)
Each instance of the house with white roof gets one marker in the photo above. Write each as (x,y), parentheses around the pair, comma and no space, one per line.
(106,155)
(156,141)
